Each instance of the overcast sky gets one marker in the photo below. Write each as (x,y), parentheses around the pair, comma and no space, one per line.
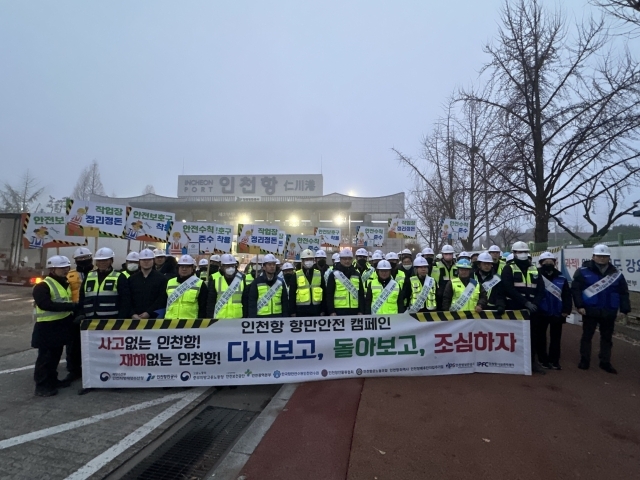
(235,87)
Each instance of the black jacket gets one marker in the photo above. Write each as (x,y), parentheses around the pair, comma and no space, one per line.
(58,332)
(124,294)
(148,294)
(252,302)
(578,286)
(169,268)
(330,292)
(498,298)
(517,297)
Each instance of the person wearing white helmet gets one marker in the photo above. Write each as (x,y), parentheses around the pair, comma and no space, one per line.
(492,284)
(214,264)
(54,313)
(148,289)
(321,261)
(166,265)
(105,293)
(419,292)
(84,264)
(429,255)
(406,263)
(203,270)
(131,264)
(267,297)
(599,291)
(554,309)
(443,270)
(462,292)
(186,293)
(498,261)
(306,294)
(288,275)
(384,294)
(345,289)
(255,269)
(227,297)
(525,290)
(396,273)
(362,265)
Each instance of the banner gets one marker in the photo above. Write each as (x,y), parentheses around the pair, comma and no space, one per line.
(189,353)
(256,238)
(282,239)
(298,243)
(47,230)
(224,238)
(94,219)
(148,225)
(329,237)
(199,238)
(626,259)
(402,228)
(369,236)
(453,229)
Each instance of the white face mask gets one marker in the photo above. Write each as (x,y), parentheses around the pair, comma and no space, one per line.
(258,267)
(230,270)
(522,256)
(132,267)
(308,263)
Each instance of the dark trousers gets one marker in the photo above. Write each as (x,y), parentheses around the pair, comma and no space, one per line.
(74,352)
(589,325)
(554,324)
(45,372)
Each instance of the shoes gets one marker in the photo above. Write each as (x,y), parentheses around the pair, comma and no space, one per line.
(583,365)
(536,368)
(556,366)
(607,367)
(546,365)
(71,376)
(63,383)
(46,392)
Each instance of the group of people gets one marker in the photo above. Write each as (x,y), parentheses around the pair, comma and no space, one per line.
(153,285)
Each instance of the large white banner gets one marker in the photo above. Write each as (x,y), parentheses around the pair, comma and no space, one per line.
(626,259)
(148,225)
(143,353)
(95,219)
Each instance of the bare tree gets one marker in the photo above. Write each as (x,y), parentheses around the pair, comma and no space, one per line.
(569,109)
(89,183)
(627,11)
(19,199)
(56,205)
(510,232)
(148,189)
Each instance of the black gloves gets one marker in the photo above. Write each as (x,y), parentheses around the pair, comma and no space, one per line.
(531,307)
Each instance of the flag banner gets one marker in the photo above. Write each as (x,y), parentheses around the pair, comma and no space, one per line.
(47,230)
(298,243)
(626,259)
(282,239)
(189,353)
(329,237)
(402,228)
(199,238)
(453,229)
(369,236)
(257,238)
(95,219)
(148,225)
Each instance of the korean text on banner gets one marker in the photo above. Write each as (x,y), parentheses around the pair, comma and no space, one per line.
(148,225)
(298,243)
(329,237)
(282,239)
(256,238)
(47,230)
(453,229)
(402,228)
(626,259)
(369,236)
(95,219)
(199,238)
(179,353)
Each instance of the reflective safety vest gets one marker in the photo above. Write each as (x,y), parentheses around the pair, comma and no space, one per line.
(126,274)
(233,307)
(274,307)
(416,288)
(249,278)
(342,298)
(525,284)
(204,274)
(501,264)
(390,306)
(186,306)
(441,273)
(400,278)
(59,294)
(458,288)
(308,293)
(101,300)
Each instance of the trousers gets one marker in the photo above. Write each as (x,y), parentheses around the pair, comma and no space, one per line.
(589,325)
(45,373)
(554,325)
(74,352)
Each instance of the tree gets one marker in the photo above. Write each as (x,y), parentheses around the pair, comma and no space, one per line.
(19,199)
(627,11)
(148,189)
(88,183)
(569,111)
(56,205)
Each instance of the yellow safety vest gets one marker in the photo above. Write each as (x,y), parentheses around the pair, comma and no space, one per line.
(233,307)
(186,306)
(59,294)
(390,306)
(126,273)
(458,288)
(309,293)
(441,272)
(101,300)
(274,307)
(342,298)
(400,278)
(529,280)
(416,288)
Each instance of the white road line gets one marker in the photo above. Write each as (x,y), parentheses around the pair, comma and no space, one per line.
(9,299)
(20,369)
(28,437)
(101,460)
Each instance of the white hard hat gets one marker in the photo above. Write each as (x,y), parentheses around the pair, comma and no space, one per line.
(406,251)
(277,261)
(546,256)
(383,265)
(203,262)
(510,257)
(362,252)
(227,259)
(159,253)
(601,250)
(520,247)
(439,256)
(104,253)
(420,262)
(269,258)
(391,256)
(447,249)
(379,251)
(306,253)
(484,257)
(81,252)
(346,253)
(187,260)
(321,254)
(428,251)
(146,254)
(494,248)
(464,255)
(335,257)
(58,261)
(214,258)
(287,266)
(133,257)
(376,256)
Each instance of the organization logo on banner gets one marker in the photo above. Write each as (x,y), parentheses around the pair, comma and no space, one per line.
(104,376)
(185,376)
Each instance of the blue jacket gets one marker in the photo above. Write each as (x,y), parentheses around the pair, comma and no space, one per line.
(550,304)
(608,302)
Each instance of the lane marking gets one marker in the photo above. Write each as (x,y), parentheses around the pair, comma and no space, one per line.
(9,299)
(20,369)
(47,432)
(101,460)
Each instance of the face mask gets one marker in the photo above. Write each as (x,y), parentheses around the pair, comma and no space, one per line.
(322,262)
(132,267)
(257,267)
(393,264)
(362,262)
(230,271)
(548,268)
(288,276)
(522,256)
(214,268)
(308,263)
(84,265)
(430,260)
(407,267)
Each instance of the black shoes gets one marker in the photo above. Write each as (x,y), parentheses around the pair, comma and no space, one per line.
(64,383)
(45,392)
(536,368)
(556,366)
(607,367)
(583,365)
(71,376)
(546,365)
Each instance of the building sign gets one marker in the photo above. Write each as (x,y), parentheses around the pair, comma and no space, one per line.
(250,185)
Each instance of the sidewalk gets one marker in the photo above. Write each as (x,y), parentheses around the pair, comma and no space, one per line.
(568,424)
